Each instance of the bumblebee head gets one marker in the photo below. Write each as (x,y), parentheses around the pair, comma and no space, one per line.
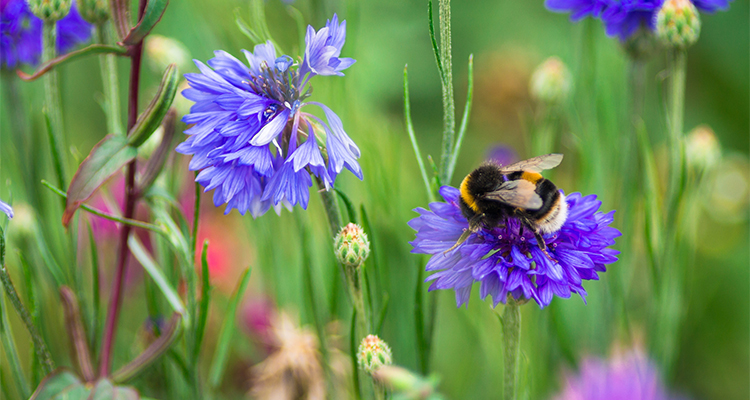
(484,179)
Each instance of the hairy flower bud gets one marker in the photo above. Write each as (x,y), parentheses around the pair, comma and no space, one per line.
(551,81)
(94,11)
(373,353)
(351,246)
(702,148)
(50,10)
(677,23)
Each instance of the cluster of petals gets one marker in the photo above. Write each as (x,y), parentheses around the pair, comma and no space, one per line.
(21,33)
(249,136)
(506,260)
(622,18)
(627,376)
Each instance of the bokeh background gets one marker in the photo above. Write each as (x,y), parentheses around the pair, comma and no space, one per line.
(508,40)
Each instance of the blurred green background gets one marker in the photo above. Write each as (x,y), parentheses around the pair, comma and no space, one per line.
(508,40)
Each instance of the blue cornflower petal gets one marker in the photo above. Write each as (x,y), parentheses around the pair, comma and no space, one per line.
(6,208)
(246,128)
(578,9)
(323,49)
(506,263)
(710,6)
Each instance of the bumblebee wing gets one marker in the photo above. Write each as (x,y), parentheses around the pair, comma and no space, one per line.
(518,193)
(536,164)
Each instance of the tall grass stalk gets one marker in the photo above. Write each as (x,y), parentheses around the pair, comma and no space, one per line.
(52,104)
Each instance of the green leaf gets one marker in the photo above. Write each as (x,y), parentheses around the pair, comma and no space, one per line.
(105,159)
(249,32)
(152,116)
(151,16)
(348,205)
(76,332)
(155,163)
(140,253)
(65,385)
(9,344)
(57,61)
(435,47)
(225,335)
(56,383)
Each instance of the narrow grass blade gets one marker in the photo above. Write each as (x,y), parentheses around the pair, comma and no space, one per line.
(151,354)
(6,335)
(225,334)
(413,138)
(203,305)
(383,312)
(141,254)
(94,333)
(349,206)
(353,346)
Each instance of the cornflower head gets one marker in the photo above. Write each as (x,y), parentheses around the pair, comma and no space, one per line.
(624,18)
(251,139)
(21,33)
(506,260)
(626,376)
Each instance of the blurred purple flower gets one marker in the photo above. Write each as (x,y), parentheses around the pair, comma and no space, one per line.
(6,208)
(504,262)
(630,376)
(622,18)
(502,155)
(21,33)
(250,138)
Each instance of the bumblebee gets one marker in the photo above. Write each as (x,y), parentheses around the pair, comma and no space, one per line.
(492,193)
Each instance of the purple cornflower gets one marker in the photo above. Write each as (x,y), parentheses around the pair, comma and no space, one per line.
(21,33)
(6,208)
(622,18)
(506,262)
(629,376)
(250,138)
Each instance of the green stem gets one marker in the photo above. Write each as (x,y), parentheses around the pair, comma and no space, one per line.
(678,61)
(332,208)
(511,322)
(9,343)
(40,347)
(52,104)
(109,82)
(449,106)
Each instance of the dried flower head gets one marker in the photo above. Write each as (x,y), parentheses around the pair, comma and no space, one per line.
(293,371)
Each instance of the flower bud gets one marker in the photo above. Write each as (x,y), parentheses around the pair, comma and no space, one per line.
(551,81)
(94,11)
(351,246)
(677,23)
(162,51)
(24,221)
(373,353)
(50,10)
(702,149)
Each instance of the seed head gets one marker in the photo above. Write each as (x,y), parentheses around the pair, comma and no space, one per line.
(351,246)
(373,353)
(94,11)
(50,10)
(678,24)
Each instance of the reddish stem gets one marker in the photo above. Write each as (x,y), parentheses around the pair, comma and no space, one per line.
(130,199)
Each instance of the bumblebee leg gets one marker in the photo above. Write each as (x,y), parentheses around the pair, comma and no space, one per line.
(543,245)
(474,225)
